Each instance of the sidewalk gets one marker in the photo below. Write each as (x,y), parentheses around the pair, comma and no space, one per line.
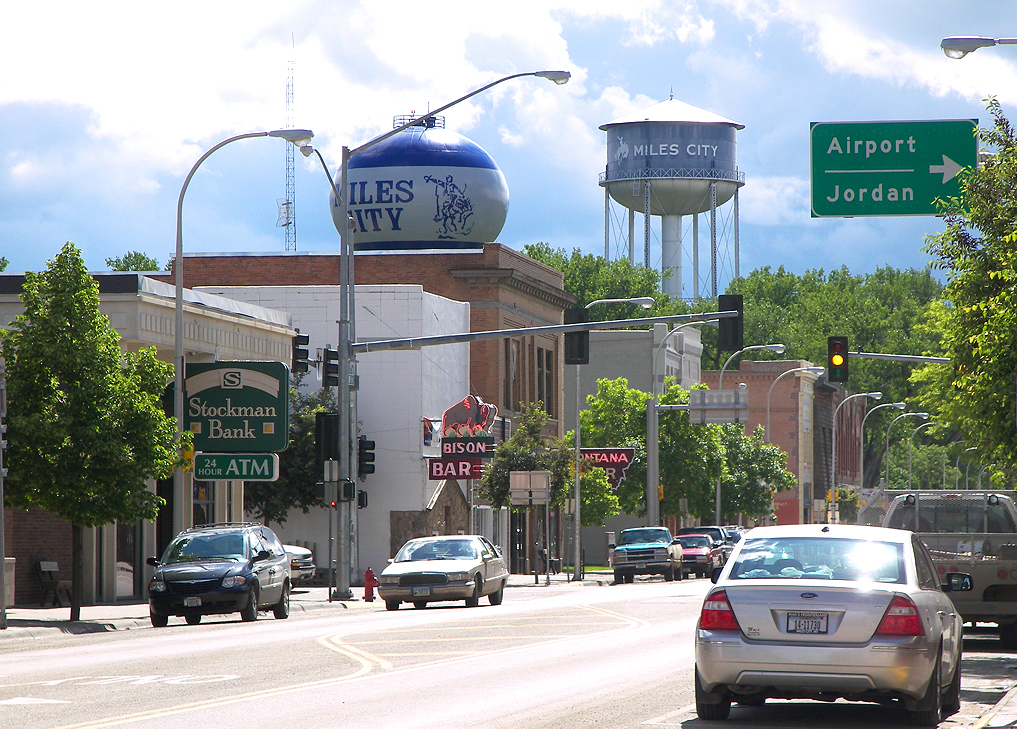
(42,622)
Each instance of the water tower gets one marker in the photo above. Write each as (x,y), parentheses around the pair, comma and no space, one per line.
(672,159)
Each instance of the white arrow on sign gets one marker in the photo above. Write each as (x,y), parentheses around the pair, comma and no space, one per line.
(948,169)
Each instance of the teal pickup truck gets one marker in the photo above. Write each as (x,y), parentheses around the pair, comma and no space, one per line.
(646,551)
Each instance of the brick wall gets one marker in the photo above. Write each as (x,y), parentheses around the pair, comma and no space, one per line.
(30,537)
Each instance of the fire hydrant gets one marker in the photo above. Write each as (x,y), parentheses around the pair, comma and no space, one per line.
(370,582)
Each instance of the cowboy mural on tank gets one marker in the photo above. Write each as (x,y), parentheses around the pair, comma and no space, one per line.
(453,209)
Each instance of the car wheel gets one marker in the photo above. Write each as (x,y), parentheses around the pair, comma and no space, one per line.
(391,604)
(497,596)
(931,706)
(420,604)
(159,621)
(630,578)
(192,619)
(618,577)
(951,699)
(281,610)
(478,588)
(1008,636)
(250,612)
(707,705)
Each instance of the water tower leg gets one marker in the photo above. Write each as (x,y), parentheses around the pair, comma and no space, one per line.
(607,224)
(695,256)
(713,239)
(671,255)
(737,263)
(646,225)
(632,235)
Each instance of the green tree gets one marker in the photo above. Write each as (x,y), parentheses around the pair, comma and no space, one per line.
(978,253)
(754,471)
(133,261)
(3,263)
(86,422)
(299,468)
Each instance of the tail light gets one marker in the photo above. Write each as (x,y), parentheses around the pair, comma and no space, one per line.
(717,613)
(901,618)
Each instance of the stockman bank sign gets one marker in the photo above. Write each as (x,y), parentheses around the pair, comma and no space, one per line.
(238,407)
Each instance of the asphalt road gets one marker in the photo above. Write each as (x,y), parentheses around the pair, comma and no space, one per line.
(558,656)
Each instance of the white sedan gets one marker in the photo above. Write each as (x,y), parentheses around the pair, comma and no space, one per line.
(826,611)
(436,569)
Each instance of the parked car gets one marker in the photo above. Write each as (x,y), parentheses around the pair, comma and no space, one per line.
(719,534)
(700,554)
(436,569)
(826,611)
(646,551)
(219,569)
(302,567)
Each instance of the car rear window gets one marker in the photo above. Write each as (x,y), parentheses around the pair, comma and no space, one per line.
(854,560)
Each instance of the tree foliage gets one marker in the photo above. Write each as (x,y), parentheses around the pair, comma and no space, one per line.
(299,468)
(978,253)
(133,261)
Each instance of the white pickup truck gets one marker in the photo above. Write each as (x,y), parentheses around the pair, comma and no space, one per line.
(972,532)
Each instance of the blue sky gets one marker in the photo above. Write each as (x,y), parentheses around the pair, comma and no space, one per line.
(104,108)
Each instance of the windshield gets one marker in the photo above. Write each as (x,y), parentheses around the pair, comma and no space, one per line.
(643,536)
(203,547)
(423,549)
(688,542)
(855,560)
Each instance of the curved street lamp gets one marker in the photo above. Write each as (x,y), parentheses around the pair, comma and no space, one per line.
(646,302)
(956,467)
(815,370)
(861,448)
(298,137)
(911,443)
(960,46)
(656,352)
(886,454)
(833,431)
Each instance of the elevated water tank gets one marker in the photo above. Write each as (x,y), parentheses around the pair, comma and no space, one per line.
(425,188)
(671,159)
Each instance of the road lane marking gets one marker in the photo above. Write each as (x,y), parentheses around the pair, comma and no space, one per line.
(663,720)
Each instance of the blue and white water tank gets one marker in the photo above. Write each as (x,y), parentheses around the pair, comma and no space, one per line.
(424,188)
(672,159)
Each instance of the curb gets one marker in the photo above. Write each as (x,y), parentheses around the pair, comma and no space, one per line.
(1000,715)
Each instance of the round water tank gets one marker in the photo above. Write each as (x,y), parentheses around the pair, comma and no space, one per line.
(680,150)
(424,188)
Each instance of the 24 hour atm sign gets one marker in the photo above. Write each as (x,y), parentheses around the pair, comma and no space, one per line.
(888,168)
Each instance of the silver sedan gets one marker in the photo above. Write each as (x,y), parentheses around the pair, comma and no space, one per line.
(826,611)
(434,569)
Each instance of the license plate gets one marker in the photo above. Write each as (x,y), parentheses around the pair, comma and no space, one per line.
(421,592)
(807,623)
(192,602)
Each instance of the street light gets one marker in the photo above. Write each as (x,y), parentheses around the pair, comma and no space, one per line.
(886,454)
(815,370)
(346,285)
(911,443)
(646,302)
(298,137)
(960,46)
(776,348)
(656,351)
(833,431)
(861,448)
(956,467)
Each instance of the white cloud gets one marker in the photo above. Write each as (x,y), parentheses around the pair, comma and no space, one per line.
(773,200)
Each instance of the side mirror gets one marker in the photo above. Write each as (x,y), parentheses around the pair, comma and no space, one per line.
(958,582)
(261,556)
(611,545)
(152,562)
(676,540)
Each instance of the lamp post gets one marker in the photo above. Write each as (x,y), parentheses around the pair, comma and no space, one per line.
(646,302)
(960,46)
(656,352)
(298,137)
(776,348)
(886,454)
(861,448)
(815,370)
(346,315)
(833,431)
(911,443)
(956,467)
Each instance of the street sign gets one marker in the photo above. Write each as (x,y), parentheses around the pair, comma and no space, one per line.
(236,466)
(888,168)
(718,406)
(238,406)
(529,488)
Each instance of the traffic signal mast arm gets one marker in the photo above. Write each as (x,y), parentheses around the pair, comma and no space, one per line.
(418,342)
(900,357)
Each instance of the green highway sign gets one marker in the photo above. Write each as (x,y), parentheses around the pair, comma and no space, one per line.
(888,168)
(236,466)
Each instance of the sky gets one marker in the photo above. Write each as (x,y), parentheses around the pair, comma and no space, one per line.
(104,108)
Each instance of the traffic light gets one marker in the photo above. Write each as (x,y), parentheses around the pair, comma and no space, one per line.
(347,490)
(730,330)
(365,456)
(660,492)
(330,367)
(577,344)
(361,499)
(300,355)
(837,359)
(326,436)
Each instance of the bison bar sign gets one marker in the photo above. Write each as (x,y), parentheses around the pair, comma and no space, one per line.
(439,469)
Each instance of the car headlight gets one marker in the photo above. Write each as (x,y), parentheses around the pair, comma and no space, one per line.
(458,576)
(388,580)
(234,581)
(157,586)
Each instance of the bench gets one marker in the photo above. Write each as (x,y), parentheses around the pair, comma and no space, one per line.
(52,586)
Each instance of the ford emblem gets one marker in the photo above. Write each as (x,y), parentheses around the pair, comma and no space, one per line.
(808,596)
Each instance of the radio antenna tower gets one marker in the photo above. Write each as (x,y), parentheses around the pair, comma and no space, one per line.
(287,206)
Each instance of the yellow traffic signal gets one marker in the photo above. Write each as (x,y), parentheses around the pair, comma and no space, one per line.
(660,492)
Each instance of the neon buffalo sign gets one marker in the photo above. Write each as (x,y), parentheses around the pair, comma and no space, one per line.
(465,440)
(614,461)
